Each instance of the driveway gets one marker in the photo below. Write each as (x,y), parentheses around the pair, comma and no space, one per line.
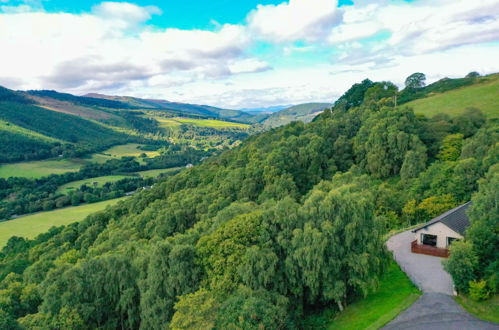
(436,309)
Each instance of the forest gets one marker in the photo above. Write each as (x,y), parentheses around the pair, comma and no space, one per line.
(293,219)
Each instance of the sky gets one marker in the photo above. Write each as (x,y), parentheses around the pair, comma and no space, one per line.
(244,53)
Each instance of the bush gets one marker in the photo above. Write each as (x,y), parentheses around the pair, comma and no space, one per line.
(478,290)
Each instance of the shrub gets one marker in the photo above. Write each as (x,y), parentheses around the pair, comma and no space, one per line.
(478,290)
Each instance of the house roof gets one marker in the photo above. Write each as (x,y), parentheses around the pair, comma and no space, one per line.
(456,219)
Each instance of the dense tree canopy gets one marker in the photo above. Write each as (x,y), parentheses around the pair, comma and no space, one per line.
(292,219)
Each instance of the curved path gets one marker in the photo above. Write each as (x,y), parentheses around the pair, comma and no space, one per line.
(436,309)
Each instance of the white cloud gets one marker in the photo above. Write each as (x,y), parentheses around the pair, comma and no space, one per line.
(113,49)
(308,20)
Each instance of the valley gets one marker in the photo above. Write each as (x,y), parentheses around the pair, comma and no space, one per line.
(222,210)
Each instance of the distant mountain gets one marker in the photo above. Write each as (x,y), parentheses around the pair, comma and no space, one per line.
(302,112)
(30,129)
(179,108)
(269,110)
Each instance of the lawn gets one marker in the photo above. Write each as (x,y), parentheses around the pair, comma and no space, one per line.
(484,96)
(485,310)
(68,187)
(32,225)
(395,293)
(155,173)
(40,168)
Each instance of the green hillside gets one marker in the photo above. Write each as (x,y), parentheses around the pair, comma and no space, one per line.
(483,95)
(177,108)
(292,220)
(303,112)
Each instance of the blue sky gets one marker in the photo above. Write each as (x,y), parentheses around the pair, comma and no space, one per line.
(241,54)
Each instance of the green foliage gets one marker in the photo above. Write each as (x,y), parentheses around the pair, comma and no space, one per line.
(292,219)
(451,147)
(462,265)
(415,80)
(478,290)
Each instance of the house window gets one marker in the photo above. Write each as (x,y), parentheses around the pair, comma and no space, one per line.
(450,240)
(428,239)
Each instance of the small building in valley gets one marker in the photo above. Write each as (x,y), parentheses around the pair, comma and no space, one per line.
(435,237)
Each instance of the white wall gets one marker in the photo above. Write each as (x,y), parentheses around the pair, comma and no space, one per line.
(441,231)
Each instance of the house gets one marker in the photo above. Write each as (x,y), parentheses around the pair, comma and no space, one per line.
(435,237)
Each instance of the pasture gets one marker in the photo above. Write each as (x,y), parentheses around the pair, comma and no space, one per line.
(483,96)
(32,225)
(155,173)
(92,182)
(41,168)
(211,123)
(125,150)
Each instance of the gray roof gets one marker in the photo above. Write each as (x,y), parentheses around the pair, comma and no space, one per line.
(456,219)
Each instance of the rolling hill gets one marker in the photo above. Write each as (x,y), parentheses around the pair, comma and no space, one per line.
(177,108)
(481,93)
(302,112)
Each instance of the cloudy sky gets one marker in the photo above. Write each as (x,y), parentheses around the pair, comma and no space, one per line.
(241,53)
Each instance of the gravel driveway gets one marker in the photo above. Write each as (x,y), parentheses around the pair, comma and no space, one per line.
(436,309)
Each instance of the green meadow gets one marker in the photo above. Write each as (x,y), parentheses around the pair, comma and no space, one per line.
(32,225)
(41,168)
(94,182)
(211,123)
(126,150)
(483,96)
(155,173)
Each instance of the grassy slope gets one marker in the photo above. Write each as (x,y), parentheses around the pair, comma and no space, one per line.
(396,293)
(40,168)
(484,96)
(128,150)
(6,126)
(485,310)
(68,187)
(32,225)
(302,112)
(155,173)
(177,121)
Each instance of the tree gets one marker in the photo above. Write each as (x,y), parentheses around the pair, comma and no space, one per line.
(451,147)
(462,265)
(415,80)
(195,311)
(472,74)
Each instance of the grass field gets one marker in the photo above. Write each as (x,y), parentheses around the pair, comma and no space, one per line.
(177,121)
(32,225)
(485,310)
(396,293)
(125,150)
(68,187)
(483,96)
(40,168)
(155,173)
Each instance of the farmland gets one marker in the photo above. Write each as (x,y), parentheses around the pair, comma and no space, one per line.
(41,168)
(32,225)
(94,182)
(483,96)
(211,123)
(155,173)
